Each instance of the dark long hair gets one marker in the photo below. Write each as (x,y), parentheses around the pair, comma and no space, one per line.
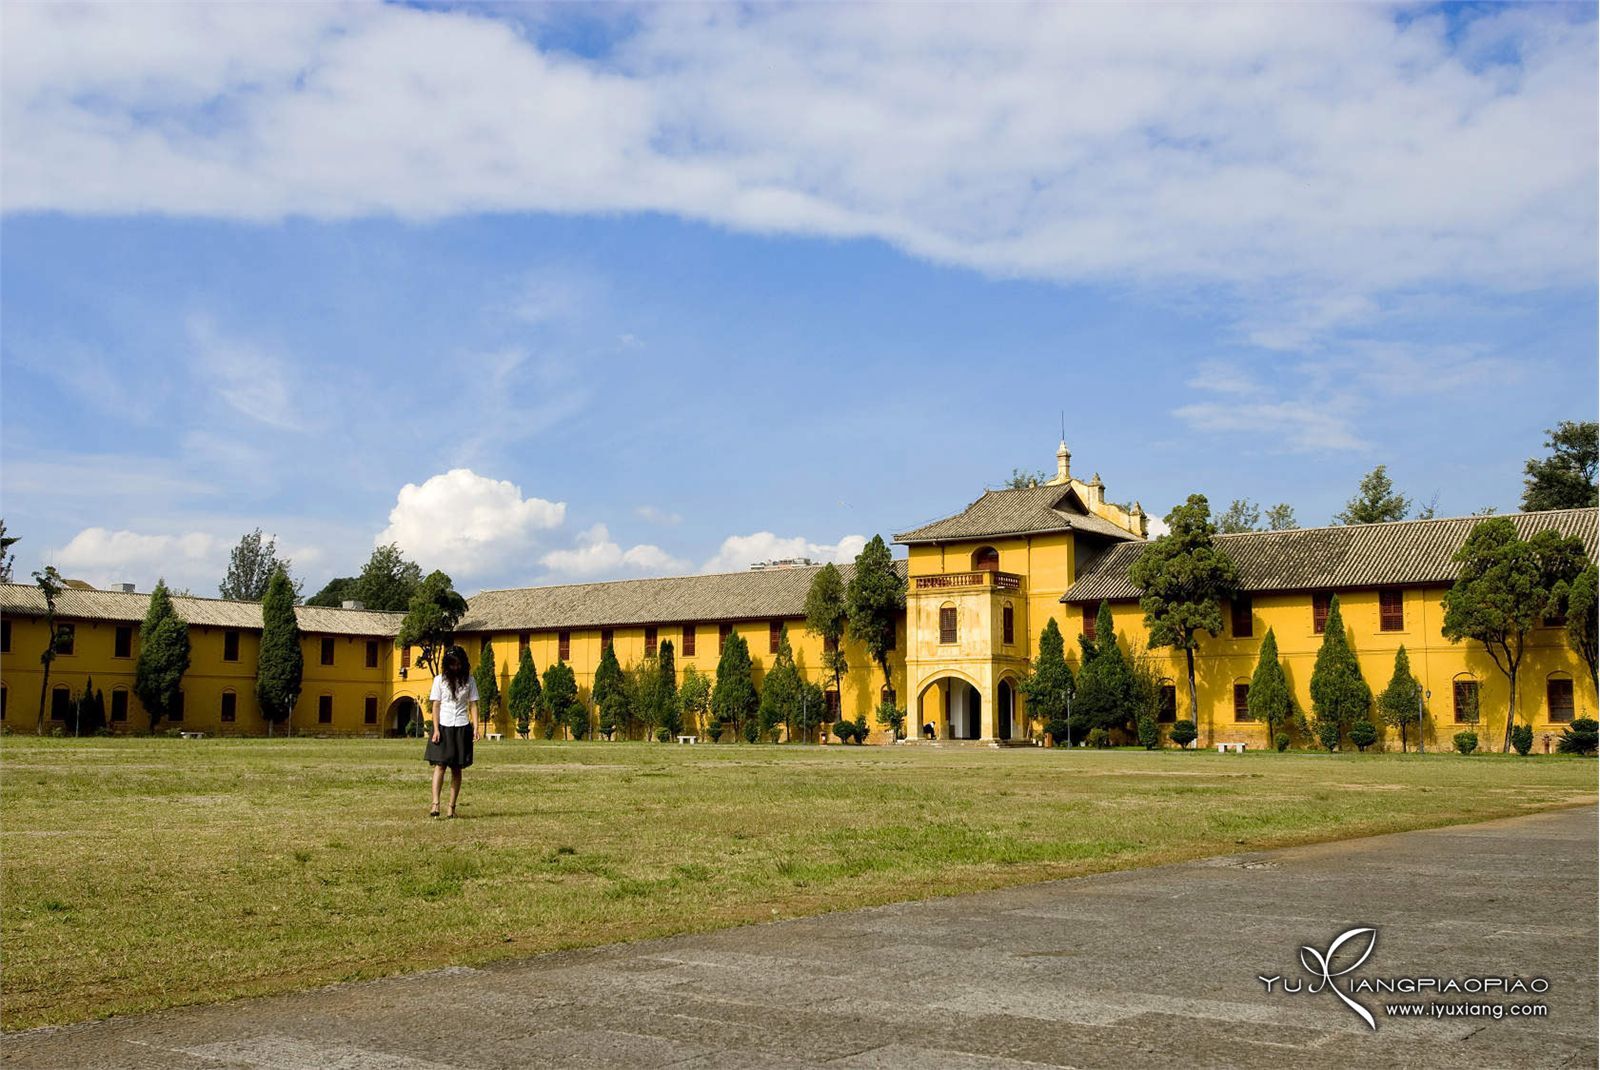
(456,672)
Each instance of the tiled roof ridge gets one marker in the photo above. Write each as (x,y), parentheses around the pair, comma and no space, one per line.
(205,598)
(1410,520)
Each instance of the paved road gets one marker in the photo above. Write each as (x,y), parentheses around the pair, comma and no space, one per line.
(1152,967)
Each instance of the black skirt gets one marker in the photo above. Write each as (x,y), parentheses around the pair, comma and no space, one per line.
(454,749)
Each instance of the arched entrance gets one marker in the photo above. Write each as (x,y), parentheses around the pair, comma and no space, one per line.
(1004,710)
(952,707)
(401,713)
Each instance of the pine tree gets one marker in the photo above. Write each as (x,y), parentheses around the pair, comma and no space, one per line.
(163,656)
(828,615)
(1270,700)
(609,693)
(559,692)
(1401,702)
(1107,693)
(1338,694)
(1281,518)
(387,581)
(50,586)
(1184,576)
(487,678)
(522,697)
(1049,685)
(282,663)
(668,715)
(877,600)
(251,566)
(780,690)
(733,699)
(1376,501)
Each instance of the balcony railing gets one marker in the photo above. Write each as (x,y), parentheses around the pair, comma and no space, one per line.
(999,581)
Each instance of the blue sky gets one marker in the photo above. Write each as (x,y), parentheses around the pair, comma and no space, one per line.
(580,293)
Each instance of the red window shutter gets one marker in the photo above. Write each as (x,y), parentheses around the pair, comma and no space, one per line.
(1090,615)
(947,624)
(1391,610)
(688,640)
(774,635)
(1008,626)
(723,631)
(649,642)
(1319,612)
(1241,702)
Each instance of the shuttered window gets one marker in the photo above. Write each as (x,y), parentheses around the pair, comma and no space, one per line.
(1466,701)
(774,635)
(1319,611)
(1008,626)
(1558,695)
(563,646)
(688,640)
(1391,610)
(606,636)
(1241,702)
(649,642)
(1243,617)
(947,624)
(1090,613)
(723,631)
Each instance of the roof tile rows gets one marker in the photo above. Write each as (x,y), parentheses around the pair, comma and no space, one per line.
(1025,511)
(74,603)
(1405,552)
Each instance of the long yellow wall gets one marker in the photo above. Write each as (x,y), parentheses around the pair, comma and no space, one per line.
(1436,662)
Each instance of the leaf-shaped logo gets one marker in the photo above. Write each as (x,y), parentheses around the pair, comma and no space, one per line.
(1320,965)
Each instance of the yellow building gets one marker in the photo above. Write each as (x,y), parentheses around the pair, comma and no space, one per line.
(981,585)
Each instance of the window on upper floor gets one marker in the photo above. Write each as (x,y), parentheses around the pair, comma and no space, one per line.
(5,636)
(723,631)
(688,640)
(774,636)
(1090,618)
(986,559)
(563,646)
(1391,610)
(327,652)
(650,642)
(522,644)
(1319,610)
(230,645)
(66,639)
(405,656)
(947,624)
(122,642)
(1558,699)
(1242,616)
(606,638)
(1008,625)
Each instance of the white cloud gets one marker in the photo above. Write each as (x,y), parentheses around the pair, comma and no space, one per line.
(1339,149)
(1158,528)
(1299,426)
(653,515)
(739,552)
(245,377)
(102,557)
(467,524)
(597,555)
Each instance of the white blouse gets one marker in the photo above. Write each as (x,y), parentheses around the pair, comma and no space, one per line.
(451,711)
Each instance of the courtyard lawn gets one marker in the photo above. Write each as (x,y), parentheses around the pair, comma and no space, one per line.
(148,873)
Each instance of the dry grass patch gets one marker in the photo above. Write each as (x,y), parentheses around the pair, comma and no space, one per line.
(148,873)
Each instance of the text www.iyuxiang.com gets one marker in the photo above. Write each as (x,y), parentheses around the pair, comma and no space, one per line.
(1466,1010)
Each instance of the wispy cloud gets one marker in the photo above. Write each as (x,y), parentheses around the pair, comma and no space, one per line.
(245,377)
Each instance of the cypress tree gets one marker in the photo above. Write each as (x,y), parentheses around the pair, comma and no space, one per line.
(1401,701)
(282,664)
(1048,687)
(1338,694)
(780,691)
(734,700)
(877,601)
(50,586)
(1107,693)
(163,655)
(1270,700)
(609,694)
(559,692)
(522,697)
(488,681)
(667,714)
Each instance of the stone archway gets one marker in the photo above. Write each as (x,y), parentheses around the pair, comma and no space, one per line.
(952,706)
(401,713)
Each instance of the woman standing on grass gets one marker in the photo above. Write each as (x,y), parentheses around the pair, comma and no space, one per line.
(454,705)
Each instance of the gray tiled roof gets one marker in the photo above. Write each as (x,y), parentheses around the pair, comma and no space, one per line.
(1360,555)
(726,596)
(1026,511)
(75,603)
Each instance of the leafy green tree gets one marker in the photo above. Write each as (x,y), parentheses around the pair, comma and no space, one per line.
(335,593)
(668,713)
(1583,623)
(522,696)
(1522,739)
(1566,478)
(1023,478)
(645,700)
(1363,734)
(1184,732)
(694,698)
(1376,501)
(281,667)
(610,694)
(877,598)
(559,692)
(808,711)
(8,560)
(1328,734)
(431,618)
(893,718)
(733,699)
(1281,518)
(1149,732)
(251,567)
(1339,696)
(1401,702)
(163,656)
(780,690)
(577,719)
(1506,587)
(1241,515)
(1184,576)
(488,681)
(1466,742)
(1107,691)
(1048,686)
(388,581)
(828,615)
(50,585)
(1270,700)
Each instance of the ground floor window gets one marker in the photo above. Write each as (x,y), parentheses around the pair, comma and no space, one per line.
(119,705)
(1241,702)
(1558,696)
(369,713)
(60,703)
(1466,701)
(324,709)
(1167,704)
(230,707)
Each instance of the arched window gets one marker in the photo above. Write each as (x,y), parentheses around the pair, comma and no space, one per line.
(1558,698)
(986,559)
(1241,700)
(1008,624)
(1464,693)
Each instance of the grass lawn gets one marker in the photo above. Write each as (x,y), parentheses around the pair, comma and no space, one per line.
(148,873)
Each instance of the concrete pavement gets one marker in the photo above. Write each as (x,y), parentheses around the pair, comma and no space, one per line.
(1147,968)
